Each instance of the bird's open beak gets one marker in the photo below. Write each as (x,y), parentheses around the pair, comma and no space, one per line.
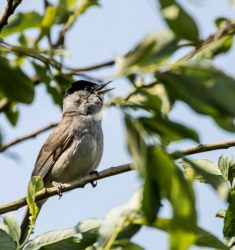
(100,90)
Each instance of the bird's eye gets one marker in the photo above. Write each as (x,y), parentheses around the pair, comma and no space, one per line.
(87,88)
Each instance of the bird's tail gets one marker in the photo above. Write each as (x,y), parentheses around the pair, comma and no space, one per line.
(24,226)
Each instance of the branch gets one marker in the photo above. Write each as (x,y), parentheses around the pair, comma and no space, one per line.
(203,148)
(45,193)
(92,67)
(8,10)
(26,137)
(50,61)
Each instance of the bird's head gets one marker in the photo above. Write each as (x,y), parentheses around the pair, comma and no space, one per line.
(85,97)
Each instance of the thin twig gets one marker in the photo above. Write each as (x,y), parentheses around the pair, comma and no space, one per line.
(45,193)
(26,137)
(92,67)
(8,10)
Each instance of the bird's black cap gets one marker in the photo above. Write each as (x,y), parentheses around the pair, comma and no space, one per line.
(86,83)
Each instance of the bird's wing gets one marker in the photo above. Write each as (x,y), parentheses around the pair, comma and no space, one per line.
(56,144)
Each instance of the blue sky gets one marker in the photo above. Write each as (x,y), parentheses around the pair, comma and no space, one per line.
(101,34)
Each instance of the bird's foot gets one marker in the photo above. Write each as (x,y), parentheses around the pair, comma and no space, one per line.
(59,188)
(94,183)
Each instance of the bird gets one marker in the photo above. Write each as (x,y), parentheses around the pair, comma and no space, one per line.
(75,147)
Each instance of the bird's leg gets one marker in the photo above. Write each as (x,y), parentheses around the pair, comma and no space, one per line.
(94,183)
(59,188)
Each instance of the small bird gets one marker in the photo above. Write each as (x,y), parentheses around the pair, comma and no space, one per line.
(75,147)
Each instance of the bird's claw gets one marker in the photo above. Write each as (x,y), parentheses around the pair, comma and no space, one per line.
(94,183)
(59,188)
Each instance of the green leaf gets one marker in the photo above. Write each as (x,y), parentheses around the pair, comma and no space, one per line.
(151,196)
(47,22)
(6,241)
(211,171)
(173,186)
(178,191)
(179,21)
(65,239)
(72,243)
(118,219)
(14,83)
(210,88)
(22,21)
(226,166)
(203,237)
(148,55)
(13,228)
(12,113)
(229,225)
(41,73)
(64,9)
(208,173)
(51,238)
(57,88)
(89,230)
(35,185)
(136,143)
(126,244)
(206,239)
(167,130)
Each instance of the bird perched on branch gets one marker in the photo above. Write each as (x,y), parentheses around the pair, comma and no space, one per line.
(74,149)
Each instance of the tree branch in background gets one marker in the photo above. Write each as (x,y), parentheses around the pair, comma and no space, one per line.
(26,137)
(92,67)
(45,193)
(203,148)
(8,10)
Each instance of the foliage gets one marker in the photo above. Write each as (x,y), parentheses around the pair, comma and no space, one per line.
(150,129)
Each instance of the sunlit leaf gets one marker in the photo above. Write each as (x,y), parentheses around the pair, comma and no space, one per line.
(22,21)
(116,220)
(178,191)
(203,237)
(210,88)
(149,54)
(51,237)
(13,228)
(47,21)
(208,173)
(35,185)
(13,77)
(179,21)
(89,230)
(72,243)
(226,166)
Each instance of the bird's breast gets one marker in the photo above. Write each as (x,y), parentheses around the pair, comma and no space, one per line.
(80,158)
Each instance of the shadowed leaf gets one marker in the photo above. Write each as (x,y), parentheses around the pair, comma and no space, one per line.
(13,77)
(210,88)
(179,21)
